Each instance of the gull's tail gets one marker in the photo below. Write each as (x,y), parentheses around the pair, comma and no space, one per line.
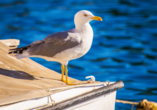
(23,51)
(19,52)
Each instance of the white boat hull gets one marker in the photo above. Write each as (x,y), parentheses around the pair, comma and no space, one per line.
(105,102)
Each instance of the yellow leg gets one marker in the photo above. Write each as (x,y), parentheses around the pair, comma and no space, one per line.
(62,77)
(66,74)
(69,82)
(62,68)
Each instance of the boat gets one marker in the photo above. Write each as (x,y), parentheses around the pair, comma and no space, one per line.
(27,85)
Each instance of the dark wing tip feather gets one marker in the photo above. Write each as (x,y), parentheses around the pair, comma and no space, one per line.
(19,50)
(9,52)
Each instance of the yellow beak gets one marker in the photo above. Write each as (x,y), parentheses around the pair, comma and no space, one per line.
(96,18)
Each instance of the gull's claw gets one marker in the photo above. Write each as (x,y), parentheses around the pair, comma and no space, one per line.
(70,81)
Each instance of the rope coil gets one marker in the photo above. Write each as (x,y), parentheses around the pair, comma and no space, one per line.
(143,105)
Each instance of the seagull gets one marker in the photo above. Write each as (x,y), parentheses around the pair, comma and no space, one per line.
(63,46)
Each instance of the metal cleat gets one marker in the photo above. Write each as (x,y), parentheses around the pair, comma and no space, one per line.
(92,79)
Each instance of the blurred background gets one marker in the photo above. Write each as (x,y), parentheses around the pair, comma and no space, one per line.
(124,45)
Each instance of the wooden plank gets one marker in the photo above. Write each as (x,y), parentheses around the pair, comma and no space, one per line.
(11,42)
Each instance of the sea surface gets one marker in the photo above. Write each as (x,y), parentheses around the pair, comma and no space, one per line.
(124,45)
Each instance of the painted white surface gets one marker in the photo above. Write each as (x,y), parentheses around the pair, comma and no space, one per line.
(107,101)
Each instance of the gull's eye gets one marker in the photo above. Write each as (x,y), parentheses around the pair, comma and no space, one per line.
(85,15)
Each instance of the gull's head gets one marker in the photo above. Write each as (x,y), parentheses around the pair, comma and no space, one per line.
(85,16)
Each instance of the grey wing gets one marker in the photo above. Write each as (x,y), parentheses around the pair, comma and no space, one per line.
(55,43)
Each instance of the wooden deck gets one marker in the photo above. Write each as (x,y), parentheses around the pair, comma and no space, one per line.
(22,79)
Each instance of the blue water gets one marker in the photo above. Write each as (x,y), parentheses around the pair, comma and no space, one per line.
(124,46)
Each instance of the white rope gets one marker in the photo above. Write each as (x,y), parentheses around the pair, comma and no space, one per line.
(52,101)
(81,85)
